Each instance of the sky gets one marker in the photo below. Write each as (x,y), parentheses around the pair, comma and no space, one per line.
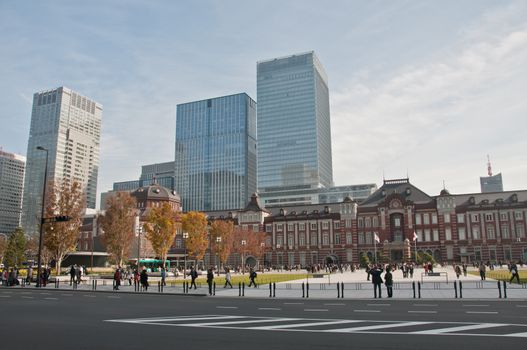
(425,89)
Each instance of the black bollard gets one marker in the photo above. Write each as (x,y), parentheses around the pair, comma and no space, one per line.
(270,290)
(413,287)
(95,284)
(419,289)
(307,290)
(303,290)
(338,290)
(214,288)
(159,287)
(239,289)
(274,290)
(499,289)
(460,290)
(243,289)
(455,289)
(504,290)
(342,291)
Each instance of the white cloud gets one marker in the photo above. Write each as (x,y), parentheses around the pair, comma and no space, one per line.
(438,120)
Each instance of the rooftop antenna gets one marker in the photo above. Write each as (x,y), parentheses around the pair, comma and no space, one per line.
(489,166)
(444,187)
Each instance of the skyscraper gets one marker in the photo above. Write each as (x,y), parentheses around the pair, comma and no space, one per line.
(12,167)
(215,160)
(68,126)
(294,131)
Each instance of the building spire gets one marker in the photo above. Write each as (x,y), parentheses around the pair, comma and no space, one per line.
(489,166)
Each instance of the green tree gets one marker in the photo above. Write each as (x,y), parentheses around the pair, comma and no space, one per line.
(195,224)
(161,227)
(118,226)
(222,229)
(16,248)
(3,246)
(61,238)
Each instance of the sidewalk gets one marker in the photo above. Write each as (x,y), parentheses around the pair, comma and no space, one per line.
(346,285)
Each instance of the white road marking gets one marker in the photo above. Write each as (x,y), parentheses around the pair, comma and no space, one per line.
(371,327)
(524,335)
(334,304)
(5,296)
(45,293)
(521,305)
(459,328)
(226,307)
(182,318)
(474,305)
(208,324)
(316,310)
(379,304)
(27,297)
(293,303)
(113,297)
(481,312)
(366,310)
(51,298)
(269,308)
(67,295)
(422,312)
(432,305)
(89,296)
(307,324)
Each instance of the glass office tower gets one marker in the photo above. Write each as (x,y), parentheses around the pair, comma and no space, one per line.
(215,161)
(68,125)
(294,131)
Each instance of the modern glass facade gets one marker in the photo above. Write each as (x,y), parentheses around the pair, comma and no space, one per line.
(294,130)
(68,125)
(12,168)
(215,159)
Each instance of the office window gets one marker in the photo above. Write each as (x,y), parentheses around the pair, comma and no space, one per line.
(290,240)
(375,221)
(314,239)
(518,215)
(491,234)
(476,233)
(419,235)
(436,234)
(426,219)
(268,228)
(475,217)
(302,239)
(427,235)
(290,227)
(504,217)
(336,225)
(313,226)
(447,218)
(256,228)
(337,238)
(348,238)
(434,219)
(325,225)
(360,223)
(418,219)
(367,222)
(448,234)
(489,217)
(302,227)
(505,233)
(360,236)
(461,218)
(520,231)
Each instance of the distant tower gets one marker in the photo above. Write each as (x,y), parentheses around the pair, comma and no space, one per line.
(491,183)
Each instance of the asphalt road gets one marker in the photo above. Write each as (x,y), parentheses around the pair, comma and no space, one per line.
(84,320)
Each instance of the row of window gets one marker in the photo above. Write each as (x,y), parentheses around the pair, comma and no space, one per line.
(302,226)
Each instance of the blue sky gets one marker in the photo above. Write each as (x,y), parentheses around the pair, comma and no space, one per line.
(424,88)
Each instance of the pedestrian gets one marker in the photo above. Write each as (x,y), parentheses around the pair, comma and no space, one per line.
(388,282)
(72,274)
(514,273)
(193,275)
(482,271)
(210,279)
(227,278)
(144,279)
(117,279)
(29,275)
(376,279)
(252,277)
(78,270)
(368,270)
(458,271)
(464,267)
(163,276)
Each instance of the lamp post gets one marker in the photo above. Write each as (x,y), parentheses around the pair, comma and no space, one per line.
(218,242)
(185,236)
(262,253)
(39,263)
(244,243)
(139,231)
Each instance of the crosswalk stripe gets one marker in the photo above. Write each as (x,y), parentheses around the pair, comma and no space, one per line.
(381,326)
(208,324)
(459,328)
(524,335)
(297,325)
(171,319)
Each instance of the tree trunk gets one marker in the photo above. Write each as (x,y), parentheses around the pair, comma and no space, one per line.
(58,262)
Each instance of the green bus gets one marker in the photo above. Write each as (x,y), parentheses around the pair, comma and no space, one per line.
(153,265)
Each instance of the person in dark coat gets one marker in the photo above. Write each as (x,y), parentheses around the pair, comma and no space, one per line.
(193,275)
(376,279)
(144,279)
(514,273)
(117,279)
(210,279)
(388,282)
(252,277)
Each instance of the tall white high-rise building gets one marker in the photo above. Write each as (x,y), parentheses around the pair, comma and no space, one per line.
(68,126)
(12,167)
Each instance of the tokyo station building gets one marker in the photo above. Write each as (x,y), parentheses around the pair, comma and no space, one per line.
(451,228)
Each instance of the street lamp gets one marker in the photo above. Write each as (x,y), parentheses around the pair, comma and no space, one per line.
(262,253)
(244,243)
(139,231)
(39,263)
(218,241)
(185,236)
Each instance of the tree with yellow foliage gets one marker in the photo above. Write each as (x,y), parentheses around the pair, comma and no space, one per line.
(195,224)
(161,226)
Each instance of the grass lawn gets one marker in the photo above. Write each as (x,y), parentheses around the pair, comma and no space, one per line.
(262,278)
(502,275)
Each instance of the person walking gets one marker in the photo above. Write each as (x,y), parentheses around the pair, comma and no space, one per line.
(144,279)
(193,275)
(163,276)
(458,271)
(29,275)
(227,278)
(210,279)
(482,271)
(117,279)
(514,273)
(252,277)
(376,279)
(388,282)
(464,267)
(72,274)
